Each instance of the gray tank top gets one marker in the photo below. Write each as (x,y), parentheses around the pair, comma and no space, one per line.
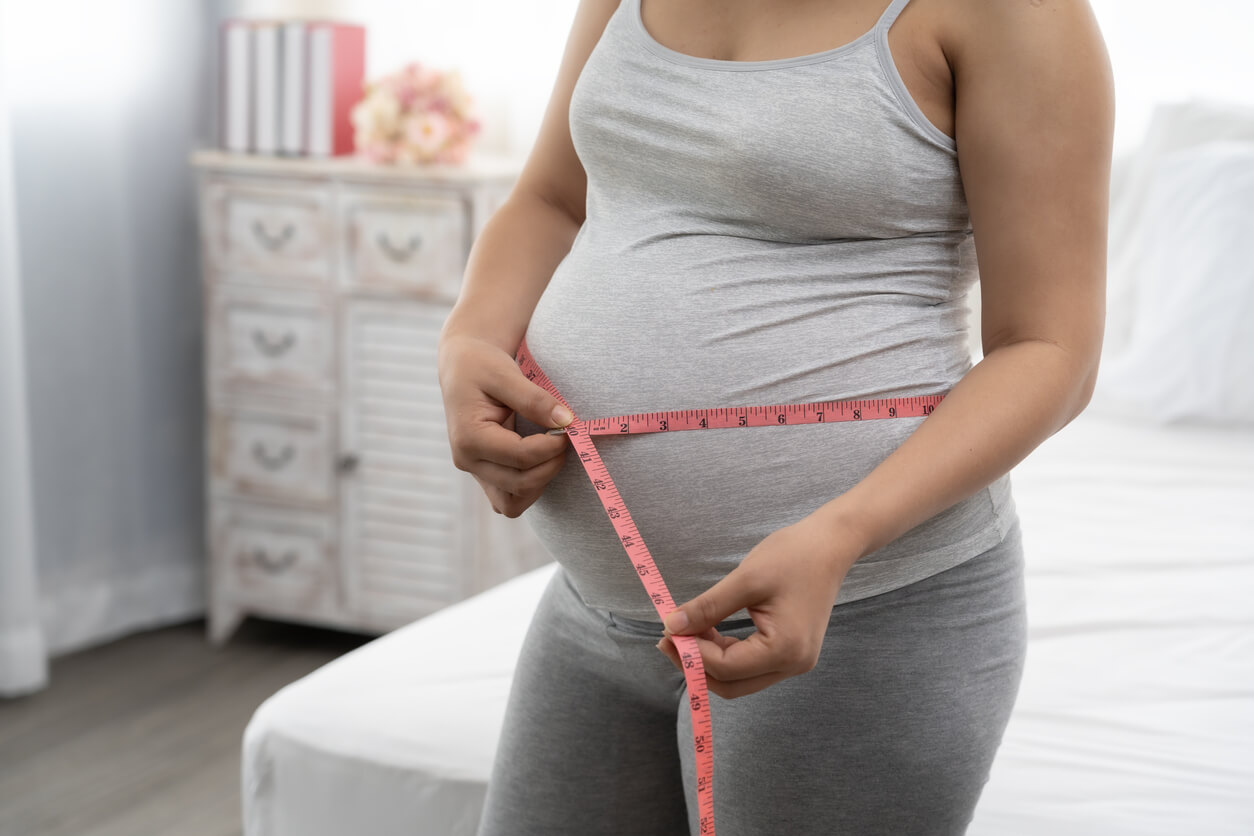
(758,232)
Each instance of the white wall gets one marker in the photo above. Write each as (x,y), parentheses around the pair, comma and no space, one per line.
(1165,50)
(509,50)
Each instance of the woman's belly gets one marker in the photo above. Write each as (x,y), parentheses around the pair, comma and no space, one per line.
(692,322)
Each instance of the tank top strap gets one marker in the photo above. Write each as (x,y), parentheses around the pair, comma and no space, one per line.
(889,15)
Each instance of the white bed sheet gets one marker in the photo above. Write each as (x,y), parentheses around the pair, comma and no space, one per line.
(1136,712)
(397,736)
(1135,717)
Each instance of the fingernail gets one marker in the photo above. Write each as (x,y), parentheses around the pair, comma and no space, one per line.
(677,621)
(562,416)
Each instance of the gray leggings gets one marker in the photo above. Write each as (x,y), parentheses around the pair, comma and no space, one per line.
(893,732)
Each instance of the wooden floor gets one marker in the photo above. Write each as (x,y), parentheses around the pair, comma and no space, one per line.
(141,737)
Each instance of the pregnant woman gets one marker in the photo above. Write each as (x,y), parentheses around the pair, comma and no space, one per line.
(741,203)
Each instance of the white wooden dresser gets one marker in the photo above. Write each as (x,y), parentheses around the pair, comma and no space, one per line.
(332,496)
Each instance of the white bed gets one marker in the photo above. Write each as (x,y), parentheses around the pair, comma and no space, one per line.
(1136,712)
(1135,717)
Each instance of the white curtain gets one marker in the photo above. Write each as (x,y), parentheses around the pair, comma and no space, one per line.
(100,338)
(23,667)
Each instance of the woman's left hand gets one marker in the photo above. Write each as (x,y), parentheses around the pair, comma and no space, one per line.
(788,583)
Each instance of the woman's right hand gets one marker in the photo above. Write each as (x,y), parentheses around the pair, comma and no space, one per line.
(483,389)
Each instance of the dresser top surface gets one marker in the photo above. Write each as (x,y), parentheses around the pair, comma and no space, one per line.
(479,167)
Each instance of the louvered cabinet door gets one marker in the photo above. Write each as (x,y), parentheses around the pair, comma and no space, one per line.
(403,538)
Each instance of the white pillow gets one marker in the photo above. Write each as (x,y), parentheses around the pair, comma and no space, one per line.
(1174,126)
(1190,351)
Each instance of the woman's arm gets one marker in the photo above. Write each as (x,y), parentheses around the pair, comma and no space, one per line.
(1034,127)
(516,252)
(510,265)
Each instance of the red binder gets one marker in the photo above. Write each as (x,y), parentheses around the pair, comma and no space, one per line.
(337,71)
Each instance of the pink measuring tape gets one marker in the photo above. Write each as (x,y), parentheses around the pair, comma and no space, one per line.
(580,433)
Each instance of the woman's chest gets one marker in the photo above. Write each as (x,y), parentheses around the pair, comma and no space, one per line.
(735,30)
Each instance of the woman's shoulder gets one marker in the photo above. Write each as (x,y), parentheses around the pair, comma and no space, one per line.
(984,32)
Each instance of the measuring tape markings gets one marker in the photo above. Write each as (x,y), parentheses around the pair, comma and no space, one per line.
(580,433)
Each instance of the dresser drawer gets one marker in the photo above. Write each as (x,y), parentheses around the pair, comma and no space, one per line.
(271,339)
(415,245)
(271,454)
(279,230)
(272,556)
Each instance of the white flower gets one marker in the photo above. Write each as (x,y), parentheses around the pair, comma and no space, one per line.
(426,132)
(456,93)
(417,115)
(377,115)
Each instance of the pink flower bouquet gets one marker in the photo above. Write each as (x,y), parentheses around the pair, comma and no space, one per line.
(415,115)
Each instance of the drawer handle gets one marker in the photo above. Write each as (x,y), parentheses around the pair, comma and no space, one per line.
(274,565)
(273,348)
(400,255)
(273,461)
(273,242)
